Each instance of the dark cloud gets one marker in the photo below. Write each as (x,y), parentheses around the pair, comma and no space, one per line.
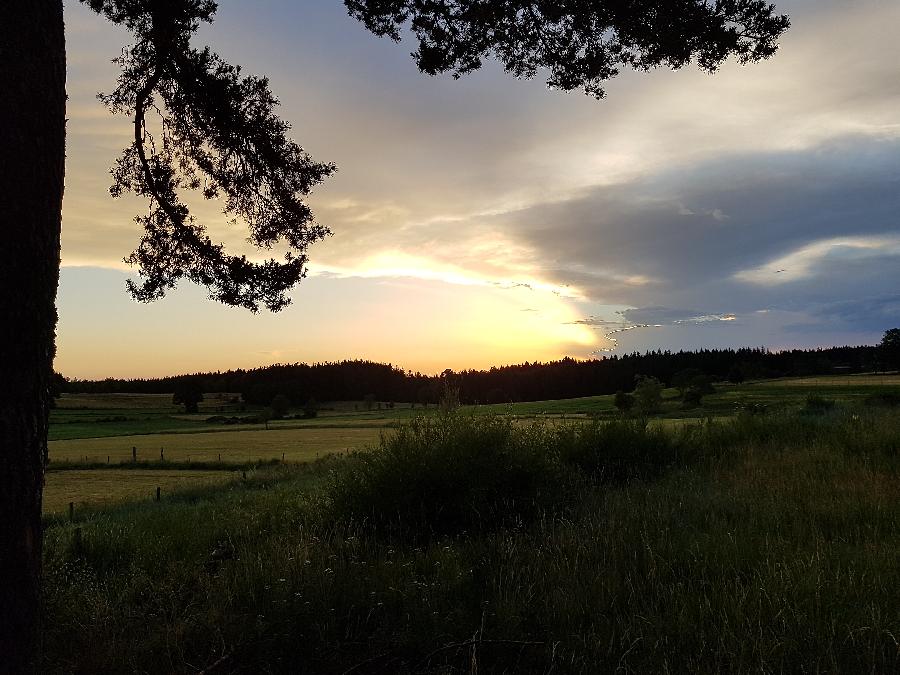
(867,314)
(679,239)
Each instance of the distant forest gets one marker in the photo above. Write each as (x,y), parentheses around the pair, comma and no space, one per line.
(567,378)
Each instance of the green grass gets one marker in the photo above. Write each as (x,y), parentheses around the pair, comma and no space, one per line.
(297,445)
(763,544)
(590,405)
(216,402)
(107,415)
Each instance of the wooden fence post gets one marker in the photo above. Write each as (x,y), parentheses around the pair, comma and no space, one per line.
(133,453)
(71,510)
(157,493)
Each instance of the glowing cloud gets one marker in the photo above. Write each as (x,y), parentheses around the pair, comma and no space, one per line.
(802,263)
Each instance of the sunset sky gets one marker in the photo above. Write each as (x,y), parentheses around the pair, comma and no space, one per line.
(489,221)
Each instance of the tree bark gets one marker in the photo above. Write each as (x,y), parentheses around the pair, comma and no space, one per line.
(32,159)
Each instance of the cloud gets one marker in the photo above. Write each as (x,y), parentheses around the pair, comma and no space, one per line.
(866,314)
(646,317)
(804,262)
(676,201)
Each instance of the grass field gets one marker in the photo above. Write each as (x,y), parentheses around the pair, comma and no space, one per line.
(96,429)
(760,544)
(217,402)
(98,487)
(297,445)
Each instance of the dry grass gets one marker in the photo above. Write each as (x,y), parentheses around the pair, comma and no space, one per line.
(852,380)
(297,445)
(106,487)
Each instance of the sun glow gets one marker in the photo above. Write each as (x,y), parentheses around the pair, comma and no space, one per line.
(400,265)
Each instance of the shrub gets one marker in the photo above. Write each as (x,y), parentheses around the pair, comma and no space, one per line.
(616,451)
(683,379)
(816,405)
(693,397)
(884,399)
(449,398)
(623,402)
(311,409)
(753,409)
(188,393)
(648,394)
(280,406)
(736,374)
(445,475)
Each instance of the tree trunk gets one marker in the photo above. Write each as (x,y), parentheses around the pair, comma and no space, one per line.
(32,157)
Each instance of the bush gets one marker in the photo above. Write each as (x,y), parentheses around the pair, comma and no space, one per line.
(884,399)
(188,392)
(648,394)
(446,475)
(614,452)
(752,409)
(311,409)
(280,406)
(816,405)
(623,402)
(693,397)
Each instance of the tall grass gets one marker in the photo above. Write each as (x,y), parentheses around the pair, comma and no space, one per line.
(765,545)
(449,474)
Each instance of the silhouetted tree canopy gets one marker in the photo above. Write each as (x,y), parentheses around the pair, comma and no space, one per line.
(280,405)
(567,378)
(199,124)
(648,393)
(189,393)
(890,347)
(623,402)
(582,43)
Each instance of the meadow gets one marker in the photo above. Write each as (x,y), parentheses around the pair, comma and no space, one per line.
(90,431)
(764,540)
(91,487)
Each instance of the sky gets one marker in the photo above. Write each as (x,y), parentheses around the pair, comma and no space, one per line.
(489,220)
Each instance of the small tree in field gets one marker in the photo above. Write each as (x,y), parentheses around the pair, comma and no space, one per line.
(189,394)
(280,406)
(311,409)
(890,348)
(648,394)
(623,402)
(736,374)
(685,379)
(693,397)
(449,398)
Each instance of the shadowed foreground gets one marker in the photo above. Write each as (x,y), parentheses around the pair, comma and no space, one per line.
(764,544)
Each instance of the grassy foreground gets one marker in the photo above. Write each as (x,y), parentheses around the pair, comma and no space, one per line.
(471,544)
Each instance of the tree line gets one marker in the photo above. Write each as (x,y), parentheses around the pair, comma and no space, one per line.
(355,380)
